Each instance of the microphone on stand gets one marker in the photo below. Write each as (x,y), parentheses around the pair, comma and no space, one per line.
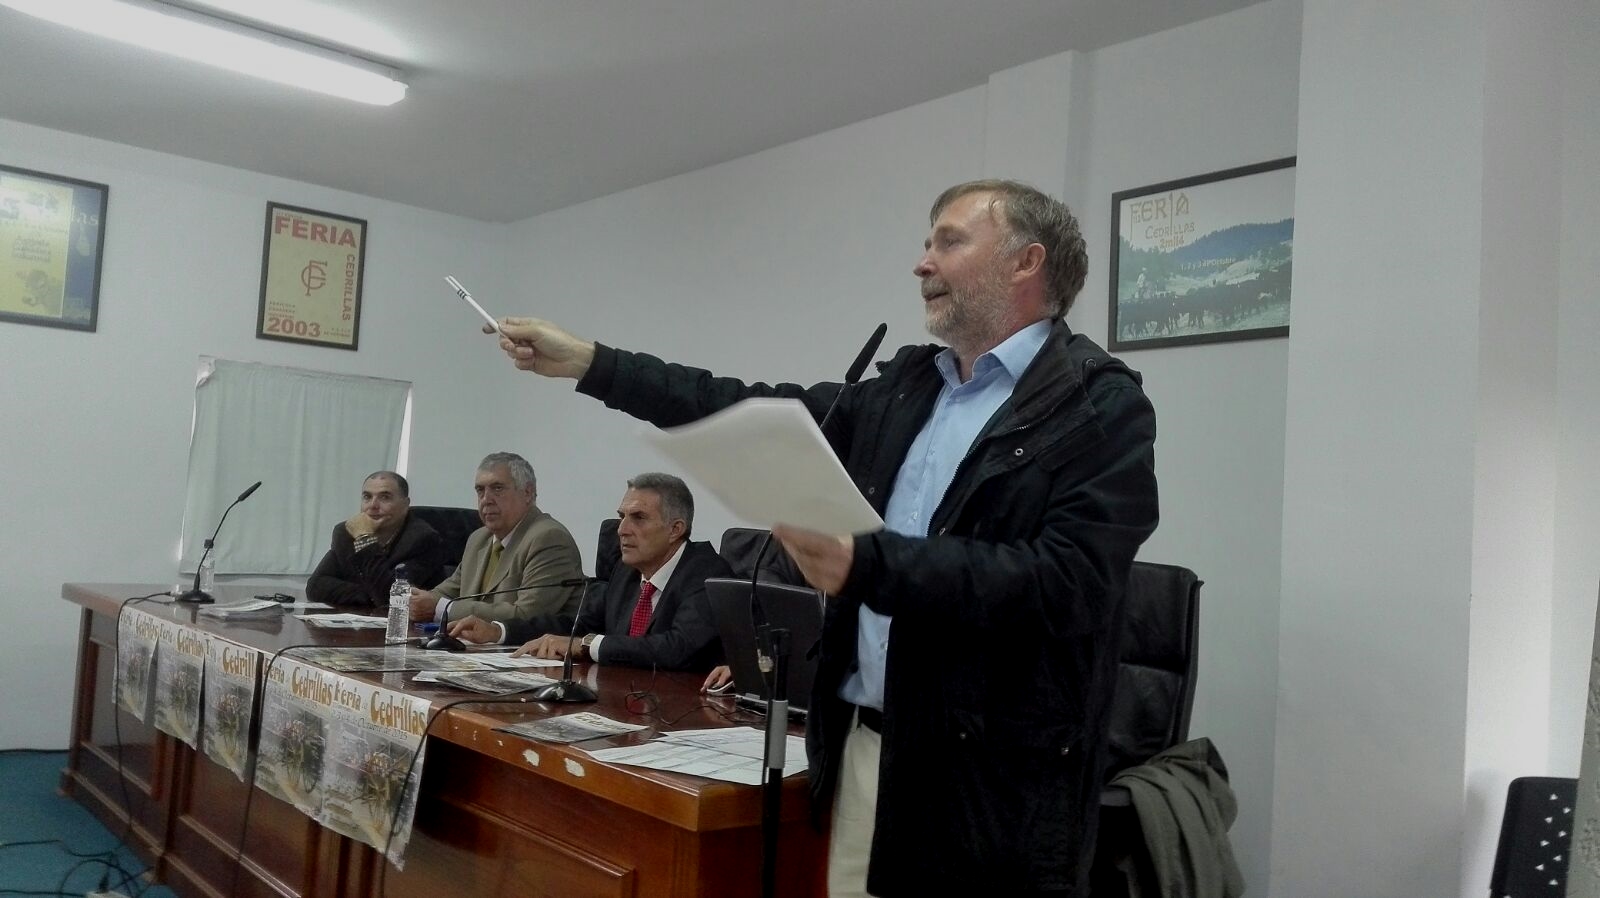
(196,595)
(776,660)
(444,642)
(852,375)
(568,690)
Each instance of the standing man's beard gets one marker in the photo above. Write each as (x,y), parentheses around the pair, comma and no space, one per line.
(968,315)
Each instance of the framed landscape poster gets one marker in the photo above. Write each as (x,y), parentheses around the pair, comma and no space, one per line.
(311,277)
(1204,259)
(50,249)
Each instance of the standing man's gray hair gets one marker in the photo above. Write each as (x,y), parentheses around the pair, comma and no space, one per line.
(521,471)
(1033,217)
(677,503)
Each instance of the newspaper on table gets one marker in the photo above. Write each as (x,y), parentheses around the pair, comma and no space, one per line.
(374,768)
(571,727)
(488,682)
(296,714)
(230,696)
(180,668)
(137,634)
(379,658)
(344,621)
(732,754)
(254,608)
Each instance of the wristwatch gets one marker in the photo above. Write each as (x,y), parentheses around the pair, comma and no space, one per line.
(588,646)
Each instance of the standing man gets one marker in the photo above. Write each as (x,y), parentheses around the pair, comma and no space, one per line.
(519,549)
(969,650)
(359,566)
(654,611)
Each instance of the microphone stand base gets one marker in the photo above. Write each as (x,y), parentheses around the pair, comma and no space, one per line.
(195,597)
(566,692)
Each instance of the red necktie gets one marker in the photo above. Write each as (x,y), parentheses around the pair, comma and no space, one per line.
(641,612)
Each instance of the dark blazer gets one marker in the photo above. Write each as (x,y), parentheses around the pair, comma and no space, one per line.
(681,636)
(1026,562)
(352,579)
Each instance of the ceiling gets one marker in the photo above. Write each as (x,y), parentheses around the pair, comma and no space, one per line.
(518,107)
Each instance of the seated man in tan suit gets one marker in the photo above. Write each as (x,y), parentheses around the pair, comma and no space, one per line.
(519,549)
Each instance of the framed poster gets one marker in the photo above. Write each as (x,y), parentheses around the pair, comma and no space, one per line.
(1205,259)
(311,276)
(51,231)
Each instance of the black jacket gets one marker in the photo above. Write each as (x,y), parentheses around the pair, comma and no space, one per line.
(1003,648)
(352,579)
(681,636)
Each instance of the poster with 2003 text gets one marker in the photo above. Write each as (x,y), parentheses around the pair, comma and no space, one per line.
(311,276)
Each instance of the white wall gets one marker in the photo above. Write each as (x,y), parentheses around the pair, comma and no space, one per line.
(95,440)
(777,265)
(1439,477)
(1379,454)
(1577,510)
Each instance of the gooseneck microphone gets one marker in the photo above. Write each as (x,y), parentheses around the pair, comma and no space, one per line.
(444,642)
(852,375)
(568,690)
(196,595)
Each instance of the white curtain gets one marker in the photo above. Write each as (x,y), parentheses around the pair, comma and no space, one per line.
(308,436)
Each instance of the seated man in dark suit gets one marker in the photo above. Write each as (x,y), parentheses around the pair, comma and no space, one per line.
(653,611)
(358,569)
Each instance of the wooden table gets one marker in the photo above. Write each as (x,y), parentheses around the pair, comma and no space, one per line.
(497,814)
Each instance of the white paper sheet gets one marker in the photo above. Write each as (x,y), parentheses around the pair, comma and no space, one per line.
(767,461)
(733,754)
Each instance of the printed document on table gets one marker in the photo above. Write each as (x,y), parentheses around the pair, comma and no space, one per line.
(734,754)
(767,461)
(579,727)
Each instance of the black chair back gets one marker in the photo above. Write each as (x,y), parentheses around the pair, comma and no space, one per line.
(741,545)
(454,525)
(1155,678)
(607,551)
(1535,838)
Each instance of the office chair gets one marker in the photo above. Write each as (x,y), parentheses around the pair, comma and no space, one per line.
(1535,838)
(1156,673)
(453,525)
(739,548)
(1151,709)
(607,551)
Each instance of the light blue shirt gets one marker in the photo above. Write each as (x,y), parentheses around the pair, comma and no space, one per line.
(958,418)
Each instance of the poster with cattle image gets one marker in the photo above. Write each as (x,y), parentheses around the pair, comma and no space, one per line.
(1206,259)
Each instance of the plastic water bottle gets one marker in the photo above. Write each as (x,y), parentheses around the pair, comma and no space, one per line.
(399,608)
(208,571)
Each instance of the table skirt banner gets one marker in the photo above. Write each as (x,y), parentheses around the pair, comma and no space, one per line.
(231,675)
(180,667)
(341,751)
(344,752)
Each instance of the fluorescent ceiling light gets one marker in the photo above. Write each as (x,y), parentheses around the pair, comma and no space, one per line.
(217,42)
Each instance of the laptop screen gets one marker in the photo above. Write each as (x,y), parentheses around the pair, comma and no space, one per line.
(797,609)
